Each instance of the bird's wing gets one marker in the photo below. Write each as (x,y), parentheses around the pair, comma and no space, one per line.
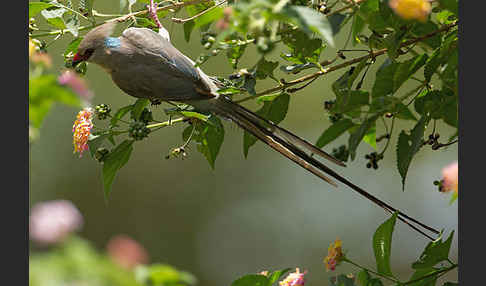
(151,43)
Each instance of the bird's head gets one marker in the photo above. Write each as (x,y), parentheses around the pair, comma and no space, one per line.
(92,47)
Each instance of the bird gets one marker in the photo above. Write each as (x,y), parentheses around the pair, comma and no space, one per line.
(145,64)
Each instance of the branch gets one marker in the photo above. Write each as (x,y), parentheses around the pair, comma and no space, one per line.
(353,4)
(345,64)
(124,17)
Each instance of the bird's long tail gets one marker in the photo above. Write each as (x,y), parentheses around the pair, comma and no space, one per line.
(295,148)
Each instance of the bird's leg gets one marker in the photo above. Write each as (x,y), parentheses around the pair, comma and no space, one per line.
(152,9)
(155,101)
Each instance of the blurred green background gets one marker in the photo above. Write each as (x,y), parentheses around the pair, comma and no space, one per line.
(262,213)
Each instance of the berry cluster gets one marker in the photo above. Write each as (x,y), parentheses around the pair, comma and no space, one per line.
(102,111)
(335,117)
(138,130)
(440,185)
(328,104)
(433,140)
(373,160)
(341,153)
(207,40)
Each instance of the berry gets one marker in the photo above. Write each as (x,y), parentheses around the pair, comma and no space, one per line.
(102,111)
(138,130)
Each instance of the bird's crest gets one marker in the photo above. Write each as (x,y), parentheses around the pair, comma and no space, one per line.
(98,35)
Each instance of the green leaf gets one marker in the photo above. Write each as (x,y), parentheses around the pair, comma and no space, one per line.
(209,17)
(403,112)
(188,27)
(453,198)
(120,113)
(54,17)
(406,69)
(370,137)
(433,62)
(382,240)
(436,251)
(375,282)
(311,21)
(421,273)
(408,146)
(363,277)
(73,46)
(251,280)
(303,48)
(336,20)
(265,68)
(357,136)
(333,132)
(209,137)
(275,111)
(383,85)
(114,161)
(357,28)
(138,107)
(36,7)
(451,5)
(95,141)
(276,275)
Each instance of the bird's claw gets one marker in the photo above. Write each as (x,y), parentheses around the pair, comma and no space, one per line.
(155,101)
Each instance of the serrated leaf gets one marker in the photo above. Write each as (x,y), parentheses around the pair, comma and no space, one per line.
(403,112)
(406,69)
(275,111)
(436,251)
(120,113)
(114,161)
(408,146)
(251,280)
(357,28)
(72,25)
(432,64)
(357,136)
(36,7)
(382,240)
(383,85)
(54,17)
(138,107)
(333,132)
(311,21)
(265,68)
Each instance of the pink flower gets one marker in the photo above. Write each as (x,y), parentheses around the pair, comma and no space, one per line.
(82,129)
(224,23)
(76,83)
(294,279)
(126,252)
(450,175)
(51,222)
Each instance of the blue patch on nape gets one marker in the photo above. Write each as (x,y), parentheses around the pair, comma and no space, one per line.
(111,42)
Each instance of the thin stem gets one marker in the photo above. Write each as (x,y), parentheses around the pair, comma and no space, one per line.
(371,271)
(166,123)
(389,139)
(430,275)
(72,10)
(178,20)
(354,3)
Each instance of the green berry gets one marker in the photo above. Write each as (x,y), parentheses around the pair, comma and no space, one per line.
(102,111)
(138,130)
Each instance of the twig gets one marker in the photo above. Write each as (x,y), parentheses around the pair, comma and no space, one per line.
(345,64)
(354,3)
(179,20)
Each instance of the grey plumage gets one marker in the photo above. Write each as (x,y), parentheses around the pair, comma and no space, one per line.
(147,65)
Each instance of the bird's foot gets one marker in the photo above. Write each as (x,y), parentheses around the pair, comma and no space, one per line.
(155,101)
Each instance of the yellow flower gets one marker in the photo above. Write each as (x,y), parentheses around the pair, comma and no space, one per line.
(31,48)
(81,130)
(411,9)
(334,255)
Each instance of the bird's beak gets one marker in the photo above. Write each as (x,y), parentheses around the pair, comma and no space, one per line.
(77,59)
